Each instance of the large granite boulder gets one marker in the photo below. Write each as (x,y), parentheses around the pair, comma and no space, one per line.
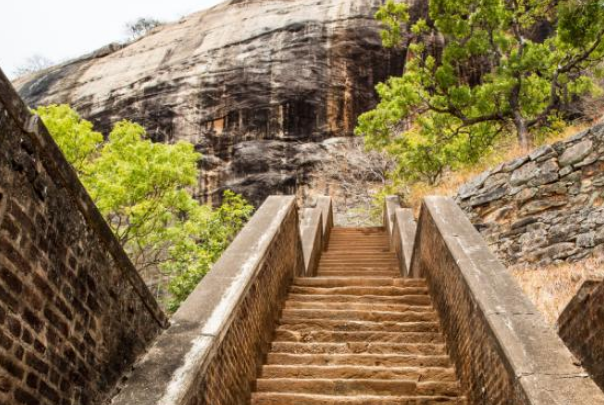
(256,85)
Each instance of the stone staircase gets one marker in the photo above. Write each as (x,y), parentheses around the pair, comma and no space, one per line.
(357,334)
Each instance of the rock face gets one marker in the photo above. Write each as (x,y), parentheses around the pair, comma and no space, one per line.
(545,207)
(256,85)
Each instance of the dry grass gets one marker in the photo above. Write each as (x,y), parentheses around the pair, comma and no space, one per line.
(551,288)
(510,150)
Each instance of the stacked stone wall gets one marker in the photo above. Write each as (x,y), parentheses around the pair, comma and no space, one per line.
(74,314)
(545,207)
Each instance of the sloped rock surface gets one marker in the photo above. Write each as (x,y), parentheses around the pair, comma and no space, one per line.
(255,85)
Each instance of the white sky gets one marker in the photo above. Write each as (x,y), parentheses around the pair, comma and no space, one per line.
(64,29)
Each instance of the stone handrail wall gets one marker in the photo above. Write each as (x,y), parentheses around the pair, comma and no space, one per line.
(545,207)
(403,238)
(311,233)
(581,326)
(504,351)
(325,204)
(217,340)
(74,312)
(391,203)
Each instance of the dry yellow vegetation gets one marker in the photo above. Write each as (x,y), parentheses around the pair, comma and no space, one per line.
(505,151)
(551,288)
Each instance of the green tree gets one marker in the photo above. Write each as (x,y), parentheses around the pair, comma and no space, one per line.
(481,69)
(142,188)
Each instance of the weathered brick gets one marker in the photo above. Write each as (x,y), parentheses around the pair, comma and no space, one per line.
(25,398)
(32,380)
(60,267)
(14,256)
(33,320)
(48,392)
(11,367)
(13,325)
(39,365)
(5,384)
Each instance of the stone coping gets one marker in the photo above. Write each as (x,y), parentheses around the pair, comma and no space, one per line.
(311,233)
(474,292)
(403,238)
(391,203)
(325,204)
(61,171)
(166,374)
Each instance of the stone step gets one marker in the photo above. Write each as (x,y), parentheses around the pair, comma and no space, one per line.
(343,257)
(390,271)
(359,315)
(271,398)
(346,325)
(391,360)
(362,291)
(411,373)
(285,334)
(358,273)
(295,304)
(344,247)
(408,299)
(350,387)
(358,281)
(358,347)
(359,262)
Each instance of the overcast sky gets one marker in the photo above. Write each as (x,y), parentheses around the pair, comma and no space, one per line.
(64,29)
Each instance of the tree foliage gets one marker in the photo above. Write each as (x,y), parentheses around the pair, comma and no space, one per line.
(141,26)
(142,189)
(33,64)
(478,70)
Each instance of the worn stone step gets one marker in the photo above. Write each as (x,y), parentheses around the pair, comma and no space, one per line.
(346,257)
(344,248)
(288,334)
(344,266)
(359,315)
(392,360)
(271,398)
(365,258)
(409,299)
(345,273)
(371,247)
(383,291)
(375,271)
(411,373)
(350,387)
(358,273)
(358,347)
(345,325)
(358,281)
(294,304)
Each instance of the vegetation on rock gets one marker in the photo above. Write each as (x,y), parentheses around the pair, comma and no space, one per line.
(141,27)
(478,72)
(142,189)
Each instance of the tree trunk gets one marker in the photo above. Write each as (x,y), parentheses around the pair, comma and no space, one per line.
(524,137)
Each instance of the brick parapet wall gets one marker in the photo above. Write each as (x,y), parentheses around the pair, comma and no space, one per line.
(218,338)
(581,326)
(74,313)
(545,207)
(504,351)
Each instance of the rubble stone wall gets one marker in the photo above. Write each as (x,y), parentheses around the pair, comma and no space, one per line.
(545,207)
